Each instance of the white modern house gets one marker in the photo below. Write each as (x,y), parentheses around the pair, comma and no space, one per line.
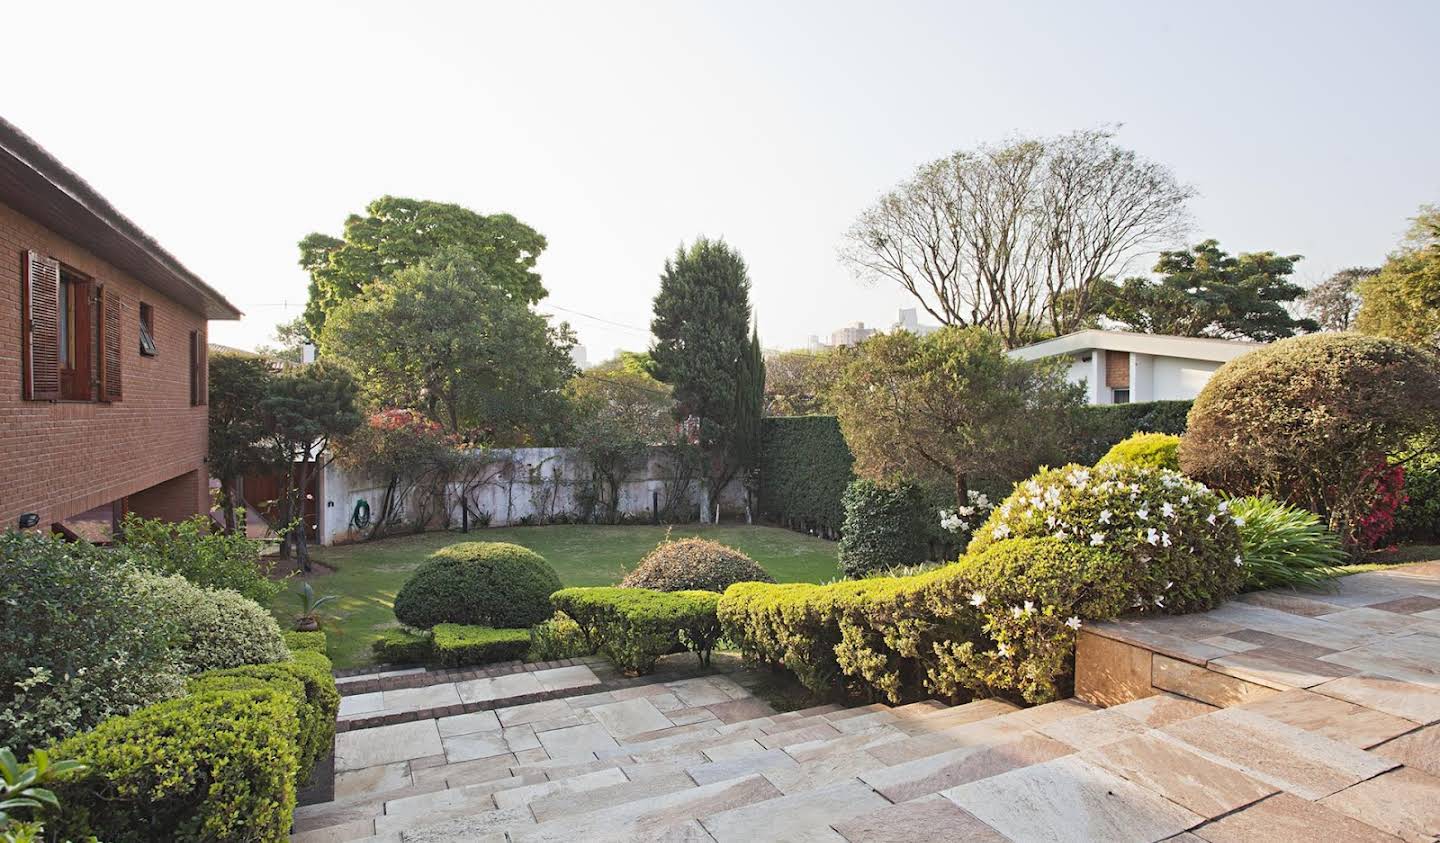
(1120,367)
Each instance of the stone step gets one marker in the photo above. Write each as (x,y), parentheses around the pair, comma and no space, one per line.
(377,708)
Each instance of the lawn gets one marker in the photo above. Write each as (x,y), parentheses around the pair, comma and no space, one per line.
(367,575)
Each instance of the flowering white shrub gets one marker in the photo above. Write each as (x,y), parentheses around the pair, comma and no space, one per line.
(963,520)
(1179,534)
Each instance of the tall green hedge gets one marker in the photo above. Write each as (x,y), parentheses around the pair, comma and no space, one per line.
(805,466)
(1101,426)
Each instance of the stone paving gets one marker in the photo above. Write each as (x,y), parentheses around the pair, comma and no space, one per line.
(1346,752)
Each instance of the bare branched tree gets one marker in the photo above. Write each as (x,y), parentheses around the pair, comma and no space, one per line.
(1015,237)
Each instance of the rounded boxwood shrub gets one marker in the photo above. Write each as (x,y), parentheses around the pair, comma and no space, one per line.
(478,584)
(1182,541)
(76,645)
(694,565)
(1156,450)
(1311,421)
(212,628)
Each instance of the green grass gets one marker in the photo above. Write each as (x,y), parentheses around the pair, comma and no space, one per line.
(368,575)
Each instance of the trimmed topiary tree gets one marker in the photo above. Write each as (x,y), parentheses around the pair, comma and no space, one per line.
(479,584)
(1312,421)
(1178,534)
(1156,450)
(694,565)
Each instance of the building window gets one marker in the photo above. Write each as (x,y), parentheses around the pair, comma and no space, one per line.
(1120,396)
(77,335)
(147,330)
(70,334)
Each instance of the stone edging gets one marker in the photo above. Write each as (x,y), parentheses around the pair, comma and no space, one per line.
(443,676)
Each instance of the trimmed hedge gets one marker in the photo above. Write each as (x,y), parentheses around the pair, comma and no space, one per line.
(694,564)
(1155,450)
(805,466)
(213,628)
(457,645)
(1418,519)
(634,627)
(480,584)
(298,641)
(885,526)
(403,646)
(1100,426)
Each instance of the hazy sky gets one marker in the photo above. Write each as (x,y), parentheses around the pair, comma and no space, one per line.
(620,129)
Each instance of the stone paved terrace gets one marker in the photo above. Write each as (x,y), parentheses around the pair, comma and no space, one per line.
(1329,729)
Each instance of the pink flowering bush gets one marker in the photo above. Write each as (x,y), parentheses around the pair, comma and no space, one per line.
(1179,536)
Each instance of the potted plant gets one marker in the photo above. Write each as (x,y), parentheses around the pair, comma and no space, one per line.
(309,620)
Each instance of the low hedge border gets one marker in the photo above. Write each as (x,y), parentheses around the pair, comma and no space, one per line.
(457,645)
(634,627)
(222,762)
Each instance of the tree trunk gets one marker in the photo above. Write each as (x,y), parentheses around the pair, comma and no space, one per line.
(962,490)
(227,506)
(705,501)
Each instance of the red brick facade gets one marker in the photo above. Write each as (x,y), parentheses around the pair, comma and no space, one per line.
(62,458)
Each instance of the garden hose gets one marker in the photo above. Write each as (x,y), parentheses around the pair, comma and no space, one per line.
(360,518)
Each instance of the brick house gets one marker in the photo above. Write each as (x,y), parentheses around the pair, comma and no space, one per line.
(102,356)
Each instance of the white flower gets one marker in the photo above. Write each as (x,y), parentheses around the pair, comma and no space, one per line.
(1160,601)
(1153,536)
(1184,498)
(1169,585)
(1142,513)
(1167,510)
(1165,539)
(1029,607)
(1211,519)
(1073,623)
(1017,612)
(1238,561)
(1224,506)
(1002,531)
(1003,651)
(1097,539)
(1060,535)
(1239,521)
(977,599)
(1105,516)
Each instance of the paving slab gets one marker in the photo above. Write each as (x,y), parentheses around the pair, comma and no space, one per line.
(476,745)
(630,717)
(518,796)
(576,741)
(1418,703)
(1419,749)
(944,770)
(1181,775)
(698,692)
(929,818)
(463,724)
(1163,708)
(361,703)
(1276,753)
(1069,799)
(1336,719)
(563,678)
(651,819)
(418,699)
(734,768)
(1403,802)
(1288,818)
(386,745)
(1278,668)
(482,827)
(575,803)
(498,687)
(795,819)
(814,775)
(531,712)
(1096,728)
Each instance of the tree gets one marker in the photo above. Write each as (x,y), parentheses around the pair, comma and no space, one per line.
(796,382)
(702,327)
(951,406)
(618,415)
(1014,237)
(402,449)
(1402,301)
(443,338)
(1334,302)
(1204,292)
(290,341)
(305,409)
(397,233)
(238,385)
(749,409)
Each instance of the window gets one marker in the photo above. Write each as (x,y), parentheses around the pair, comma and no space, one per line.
(199,367)
(1120,396)
(70,334)
(147,330)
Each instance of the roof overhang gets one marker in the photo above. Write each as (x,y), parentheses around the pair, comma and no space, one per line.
(37,185)
(1160,345)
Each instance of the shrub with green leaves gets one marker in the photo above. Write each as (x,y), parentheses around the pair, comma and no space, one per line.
(1155,450)
(1100,426)
(1418,519)
(76,643)
(634,627)
(478,584)
(403,646)
(805,466)
(457,645)
(885,525)
(560,637)
(1182,542)
(1284,545)
(215,765)
(211,628)
(314,640)
(195,550)
(694,564)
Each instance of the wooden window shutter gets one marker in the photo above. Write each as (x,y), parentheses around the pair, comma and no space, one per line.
(40,328)
(110,345)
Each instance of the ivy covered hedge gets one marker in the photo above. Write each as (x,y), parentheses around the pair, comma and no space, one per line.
(1100,426)
(634,627)
(805,466)
(222,762)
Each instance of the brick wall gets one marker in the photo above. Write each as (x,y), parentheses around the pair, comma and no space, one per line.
(59,459)
(1117,369)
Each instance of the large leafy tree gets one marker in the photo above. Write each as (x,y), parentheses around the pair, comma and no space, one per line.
(951,407)
(396,233)
(238,386)
(796,382)
(1205,292)
(1013,237)
(444,337)
(702,330)
(1334,302)
(1402,301)
(617,413)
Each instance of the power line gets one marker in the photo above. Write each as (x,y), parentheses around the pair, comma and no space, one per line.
(645,331)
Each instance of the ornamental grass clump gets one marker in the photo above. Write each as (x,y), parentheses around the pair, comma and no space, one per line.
(1284,545)
(694,565)
(1180,537)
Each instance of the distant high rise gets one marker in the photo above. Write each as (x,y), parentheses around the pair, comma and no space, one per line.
(852,334)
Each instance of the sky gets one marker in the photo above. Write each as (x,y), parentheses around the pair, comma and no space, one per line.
(620,130)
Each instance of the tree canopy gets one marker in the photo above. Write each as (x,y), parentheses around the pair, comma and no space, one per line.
(1402,301)
(796,382)
(238,385)
(1334,302)
(1013,237)
(617,414)
(1205,292)
(952,406)
(397,233)
(443,337)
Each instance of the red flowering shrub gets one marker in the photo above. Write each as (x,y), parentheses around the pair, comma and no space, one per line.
(1389,495)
